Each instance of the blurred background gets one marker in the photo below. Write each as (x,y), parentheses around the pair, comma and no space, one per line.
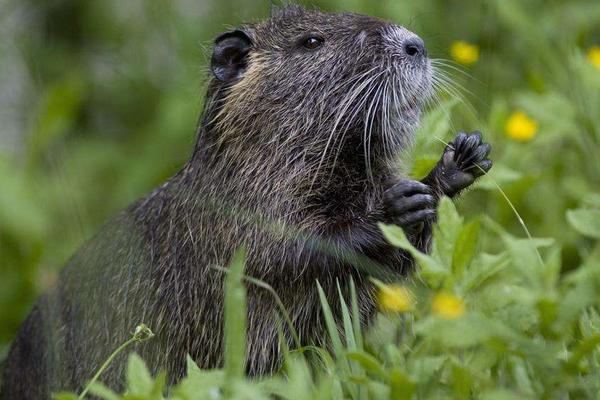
(99,101)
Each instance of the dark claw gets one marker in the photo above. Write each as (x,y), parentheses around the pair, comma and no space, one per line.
(480,153)
(414,202)
(474,140)
(458,142)
(486,165)
(480,168)
(417,217)
(408,187)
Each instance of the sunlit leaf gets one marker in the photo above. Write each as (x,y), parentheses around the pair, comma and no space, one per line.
(585,221)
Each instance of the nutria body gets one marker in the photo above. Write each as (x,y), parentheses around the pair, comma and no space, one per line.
(304,115)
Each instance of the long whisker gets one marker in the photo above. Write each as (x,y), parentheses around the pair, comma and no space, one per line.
(369,123)
(344,105)
(356,110)
(451,65)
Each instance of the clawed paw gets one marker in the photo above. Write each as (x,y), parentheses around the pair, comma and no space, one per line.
(464,160)
(409,203)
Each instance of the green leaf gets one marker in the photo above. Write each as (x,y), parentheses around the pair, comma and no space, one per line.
(551,273)
(348,326)
(379,391)
(470,330)
(501,394)
(326,362)
(396,236)
(368,362)
(434,126)
(448,219)
(201,385)
(191,367)
(465,247)
(139,380)
(432,271)
(486,267)
(64,396)
(589,322)
(334,335)
(425,367)
(584,293)
(526,259)
(584,349)
(446,231)
(356,320)
(99,390)
(159,385)
(349,333)
(401,386)
(585,221)
(423,166)
(462,381)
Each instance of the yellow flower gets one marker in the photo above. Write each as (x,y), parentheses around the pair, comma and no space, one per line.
(520,127)
(464,52)
(593,55)
(395,298)
(447,306)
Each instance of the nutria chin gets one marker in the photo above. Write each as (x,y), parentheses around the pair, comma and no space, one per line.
(304,116)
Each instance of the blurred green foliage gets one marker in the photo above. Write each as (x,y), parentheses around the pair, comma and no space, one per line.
(99,100)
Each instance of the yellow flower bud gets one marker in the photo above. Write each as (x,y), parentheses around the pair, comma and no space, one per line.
(520,127)
(593,55)
(464,52)
(395,298)
(447,306)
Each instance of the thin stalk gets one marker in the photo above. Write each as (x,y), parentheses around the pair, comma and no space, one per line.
(511,205)
(277,299)
(142,333)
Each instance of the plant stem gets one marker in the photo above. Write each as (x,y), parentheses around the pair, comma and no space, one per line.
(105,365)
(141,334)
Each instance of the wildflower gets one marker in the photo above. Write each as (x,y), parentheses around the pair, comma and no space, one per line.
(593,56)
(447,306)
(142,333)
(395,298)
(520,127)
(464,52)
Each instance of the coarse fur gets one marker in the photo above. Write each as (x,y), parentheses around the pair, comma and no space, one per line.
(295,160)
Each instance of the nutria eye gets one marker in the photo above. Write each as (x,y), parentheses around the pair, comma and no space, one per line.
(313,42)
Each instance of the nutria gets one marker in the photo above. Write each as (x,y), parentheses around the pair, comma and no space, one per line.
(304,116)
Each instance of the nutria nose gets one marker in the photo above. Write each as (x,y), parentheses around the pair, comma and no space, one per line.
(414,47)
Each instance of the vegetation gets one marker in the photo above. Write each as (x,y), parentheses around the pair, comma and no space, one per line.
(505,306)
(470,324)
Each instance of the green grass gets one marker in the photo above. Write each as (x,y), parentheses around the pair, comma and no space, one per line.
(527,331)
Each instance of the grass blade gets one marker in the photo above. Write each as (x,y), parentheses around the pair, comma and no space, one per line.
(235,320)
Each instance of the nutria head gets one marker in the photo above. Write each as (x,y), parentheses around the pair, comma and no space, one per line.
(317,86)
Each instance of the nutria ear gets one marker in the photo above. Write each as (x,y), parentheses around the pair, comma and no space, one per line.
(229,59)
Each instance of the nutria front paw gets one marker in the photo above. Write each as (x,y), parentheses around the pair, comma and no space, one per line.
(410,203)
(464,160)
